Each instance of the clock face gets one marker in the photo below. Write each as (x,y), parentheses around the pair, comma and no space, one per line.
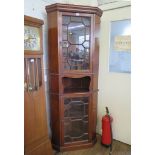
(31,38)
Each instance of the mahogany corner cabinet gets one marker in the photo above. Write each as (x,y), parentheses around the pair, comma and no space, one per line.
(73,43)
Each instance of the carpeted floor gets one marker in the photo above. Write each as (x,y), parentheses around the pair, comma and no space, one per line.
(119,148)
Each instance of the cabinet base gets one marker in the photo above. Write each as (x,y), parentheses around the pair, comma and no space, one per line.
(74,146)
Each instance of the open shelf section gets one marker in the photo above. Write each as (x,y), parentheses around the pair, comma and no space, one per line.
(73,85)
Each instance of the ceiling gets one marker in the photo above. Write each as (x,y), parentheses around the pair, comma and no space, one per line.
(104,2)
(113,4)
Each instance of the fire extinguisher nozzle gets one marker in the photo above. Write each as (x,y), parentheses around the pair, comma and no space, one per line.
(107,110)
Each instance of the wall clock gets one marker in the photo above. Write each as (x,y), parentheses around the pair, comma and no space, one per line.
(32,35)
(31,38)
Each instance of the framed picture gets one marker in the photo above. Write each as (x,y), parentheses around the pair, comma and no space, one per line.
(120,46)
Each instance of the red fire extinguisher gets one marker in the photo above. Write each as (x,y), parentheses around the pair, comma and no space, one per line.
(107,130)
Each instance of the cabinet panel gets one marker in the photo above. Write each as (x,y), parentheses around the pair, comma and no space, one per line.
(55,118)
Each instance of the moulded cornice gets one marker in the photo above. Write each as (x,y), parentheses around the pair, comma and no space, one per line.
(33,21)
(74,8)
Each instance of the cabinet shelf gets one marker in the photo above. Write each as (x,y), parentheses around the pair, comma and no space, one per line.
(75,90)
(76,85)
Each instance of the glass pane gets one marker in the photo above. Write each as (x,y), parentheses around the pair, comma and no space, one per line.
(65,20)
(65,44)
(86,44)
(75,119)
(38,63)
(120,47)
(76,30)
(86,21)
(76,19)
(76,37)
(77,57)
(65,52)
(32,74)
(64,36)
(87,33)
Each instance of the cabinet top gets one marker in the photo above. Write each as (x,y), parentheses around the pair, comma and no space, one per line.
(73,8)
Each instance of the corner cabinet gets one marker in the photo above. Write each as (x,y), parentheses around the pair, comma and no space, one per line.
(36,140)
(73,32)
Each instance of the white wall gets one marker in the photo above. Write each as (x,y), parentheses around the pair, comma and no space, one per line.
(114,88)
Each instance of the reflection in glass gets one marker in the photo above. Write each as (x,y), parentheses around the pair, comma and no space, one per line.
(120,58)
(75,19)
(64,33)
(76,119)
(76,30)
(32,74)
(76,38)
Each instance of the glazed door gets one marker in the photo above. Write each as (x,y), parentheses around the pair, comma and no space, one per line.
(35,127)
(76,42)
(76,117)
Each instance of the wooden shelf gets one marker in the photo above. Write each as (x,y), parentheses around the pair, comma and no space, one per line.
(75,90)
